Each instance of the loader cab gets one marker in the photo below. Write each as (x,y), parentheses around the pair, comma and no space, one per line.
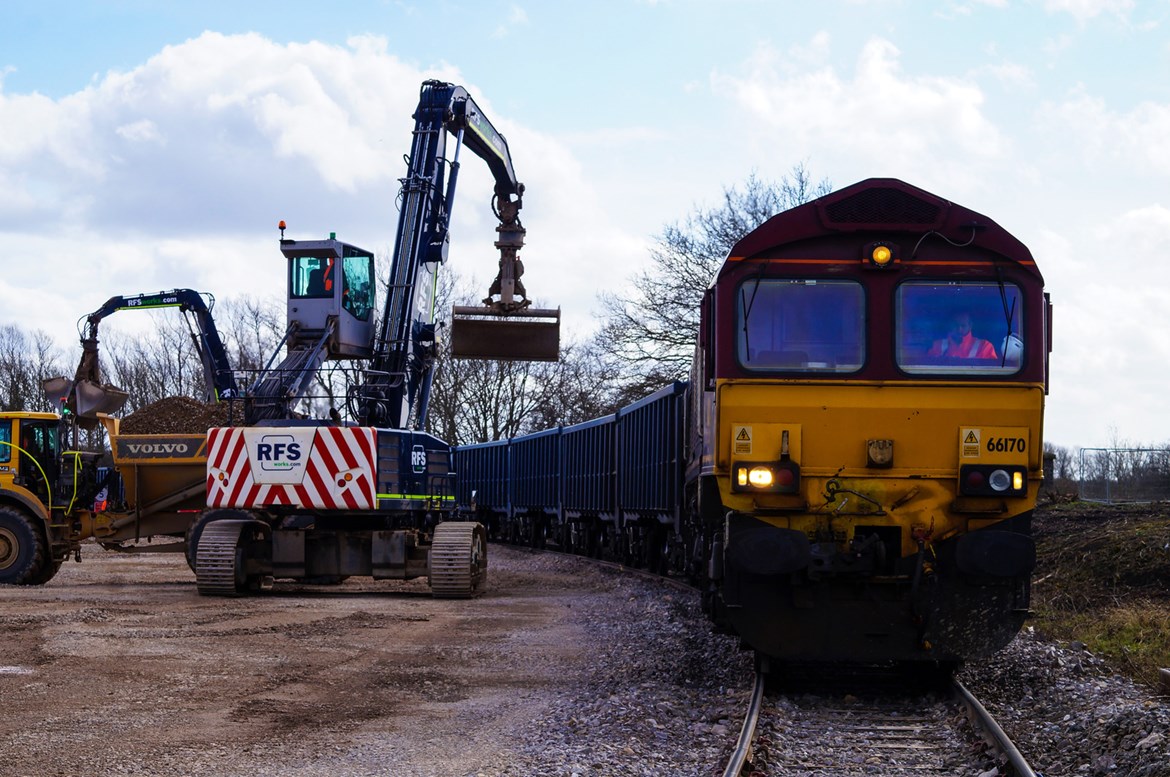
(30,449)
(331,283)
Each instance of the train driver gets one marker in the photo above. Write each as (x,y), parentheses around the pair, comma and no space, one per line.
(960,342)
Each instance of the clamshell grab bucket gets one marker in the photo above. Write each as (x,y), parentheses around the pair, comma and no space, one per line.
(522,335)
(93,398)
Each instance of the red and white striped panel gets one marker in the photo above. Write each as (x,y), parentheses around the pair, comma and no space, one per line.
(329,468)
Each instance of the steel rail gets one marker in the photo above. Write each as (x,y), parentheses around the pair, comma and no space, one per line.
(747,733)
(991,729)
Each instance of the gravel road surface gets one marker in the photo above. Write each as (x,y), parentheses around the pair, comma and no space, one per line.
(117,666)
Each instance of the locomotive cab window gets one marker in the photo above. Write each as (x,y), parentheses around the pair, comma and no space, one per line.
(800,325)
(959,328)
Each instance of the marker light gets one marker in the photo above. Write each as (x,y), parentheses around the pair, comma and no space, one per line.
(785,479)
(879,255)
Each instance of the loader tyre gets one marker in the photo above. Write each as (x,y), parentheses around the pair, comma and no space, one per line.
(23,555)
(48,571)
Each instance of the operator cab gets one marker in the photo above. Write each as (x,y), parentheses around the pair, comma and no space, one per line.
(330,282)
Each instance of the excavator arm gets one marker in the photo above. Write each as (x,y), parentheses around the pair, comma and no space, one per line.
(88,396)
(396,388)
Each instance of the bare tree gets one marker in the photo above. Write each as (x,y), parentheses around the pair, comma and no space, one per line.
(25,361)
(251,328)
(651,329)
(163,363)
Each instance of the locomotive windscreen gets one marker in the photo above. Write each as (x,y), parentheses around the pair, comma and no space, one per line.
(801,325)
(959,328)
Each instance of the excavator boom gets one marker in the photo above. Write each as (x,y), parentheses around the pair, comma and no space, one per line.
(396,389)
(86,395)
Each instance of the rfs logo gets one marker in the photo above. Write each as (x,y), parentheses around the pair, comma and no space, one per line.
(278,452)
(418,459)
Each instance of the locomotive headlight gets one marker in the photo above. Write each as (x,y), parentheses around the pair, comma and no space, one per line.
(760,477)
(757,476)
(999,480)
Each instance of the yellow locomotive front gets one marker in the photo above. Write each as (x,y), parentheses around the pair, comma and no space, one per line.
(866,420)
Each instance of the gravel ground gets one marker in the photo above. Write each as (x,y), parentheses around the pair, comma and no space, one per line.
(661,695)
(117,666)
(1066,711)
(1069,715)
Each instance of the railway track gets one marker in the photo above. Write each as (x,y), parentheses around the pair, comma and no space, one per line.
(843,735)
(917,725)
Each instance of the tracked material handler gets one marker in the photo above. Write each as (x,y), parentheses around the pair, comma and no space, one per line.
(307,500)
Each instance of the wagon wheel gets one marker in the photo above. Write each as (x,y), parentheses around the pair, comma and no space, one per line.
(457,567)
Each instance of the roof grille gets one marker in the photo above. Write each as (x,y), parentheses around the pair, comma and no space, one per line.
(882,205)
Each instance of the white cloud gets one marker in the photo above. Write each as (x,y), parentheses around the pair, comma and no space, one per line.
(928,127)
(1011,75)
(815,53)
(517,17)
(1084,10)
(1110,356)
(1138,139)
(142,131)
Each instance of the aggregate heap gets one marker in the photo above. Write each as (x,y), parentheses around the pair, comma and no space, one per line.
(176,415)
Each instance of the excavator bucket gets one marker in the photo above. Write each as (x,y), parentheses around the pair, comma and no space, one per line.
(507,328)
(88,395)
(57,391)
(521,335)
(93,398)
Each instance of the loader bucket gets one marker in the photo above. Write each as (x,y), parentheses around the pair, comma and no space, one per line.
(523,335)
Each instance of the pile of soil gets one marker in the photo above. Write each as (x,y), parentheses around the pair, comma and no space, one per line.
(176,415)
(1099,553)
(1102,580)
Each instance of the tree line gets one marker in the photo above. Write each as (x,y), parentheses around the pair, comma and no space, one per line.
(645,339)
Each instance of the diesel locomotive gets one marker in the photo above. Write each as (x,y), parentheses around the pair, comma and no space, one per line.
(850,472)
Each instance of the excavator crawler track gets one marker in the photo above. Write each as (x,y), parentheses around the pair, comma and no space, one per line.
(458,560)
(219,559)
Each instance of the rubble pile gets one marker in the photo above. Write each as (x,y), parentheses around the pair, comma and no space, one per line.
(176,415)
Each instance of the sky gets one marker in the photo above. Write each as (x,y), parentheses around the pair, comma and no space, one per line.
(149,144)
